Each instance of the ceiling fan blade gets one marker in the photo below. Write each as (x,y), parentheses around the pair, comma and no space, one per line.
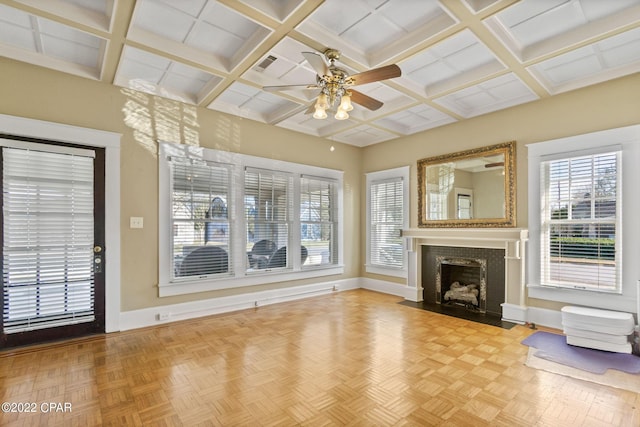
(317,62)
(288,87)
(365,100)
(377,74)
(494,165)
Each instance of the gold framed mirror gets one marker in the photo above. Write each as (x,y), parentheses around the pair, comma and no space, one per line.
(472,188)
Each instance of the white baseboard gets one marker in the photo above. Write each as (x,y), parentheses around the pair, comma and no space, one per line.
(540,316)
(390,288)
(170,313)
(514,313)
(545,317)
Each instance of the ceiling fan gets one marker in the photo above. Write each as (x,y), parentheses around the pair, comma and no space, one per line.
(335,84)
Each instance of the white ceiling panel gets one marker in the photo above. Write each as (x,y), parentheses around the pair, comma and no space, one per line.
(279,10)
(92,13)
(610,58)
(202,28)
(16,29)
(363,29)
(156,75)
(478,5)
(533,28)
(495,94)
(455,61)
(250,102)
(363,135)
(393,100)
(414,119)
(305,123)
(44,42)
(165,19)
(282,65)
(219,54)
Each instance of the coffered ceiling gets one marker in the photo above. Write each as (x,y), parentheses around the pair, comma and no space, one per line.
(459,58)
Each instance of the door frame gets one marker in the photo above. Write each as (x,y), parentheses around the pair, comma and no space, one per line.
(110,141)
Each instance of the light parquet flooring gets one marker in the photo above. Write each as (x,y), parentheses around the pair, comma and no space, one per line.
(355,358)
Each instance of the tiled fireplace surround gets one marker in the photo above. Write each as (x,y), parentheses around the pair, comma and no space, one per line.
(423,243)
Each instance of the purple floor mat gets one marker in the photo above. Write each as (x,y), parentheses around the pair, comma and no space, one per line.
(554,347)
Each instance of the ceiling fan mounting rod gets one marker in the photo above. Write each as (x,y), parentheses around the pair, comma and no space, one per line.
(332,55)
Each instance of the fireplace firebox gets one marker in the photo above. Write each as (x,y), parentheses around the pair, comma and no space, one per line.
(462,282)
(484,267)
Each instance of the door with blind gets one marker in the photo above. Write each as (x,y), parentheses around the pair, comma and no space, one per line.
(52,234)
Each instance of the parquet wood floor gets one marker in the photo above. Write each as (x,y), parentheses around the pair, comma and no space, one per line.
(355,358)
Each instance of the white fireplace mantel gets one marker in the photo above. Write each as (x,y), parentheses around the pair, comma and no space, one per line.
(512,240)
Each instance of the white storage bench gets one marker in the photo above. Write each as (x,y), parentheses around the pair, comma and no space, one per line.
(599,329)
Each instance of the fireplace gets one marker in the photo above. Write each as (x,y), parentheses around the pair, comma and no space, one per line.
(462,282)
(502,248)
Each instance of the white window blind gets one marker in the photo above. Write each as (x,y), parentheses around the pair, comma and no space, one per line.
(200,206)
(318,224)
(268,209)
(387,221)
(580,225)
(261,232)
(48,239)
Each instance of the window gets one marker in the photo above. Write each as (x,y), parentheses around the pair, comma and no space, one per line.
(580,222)
(229,220)
(318,221)
(387,215)
(199,218)
(625,143)
(268,209)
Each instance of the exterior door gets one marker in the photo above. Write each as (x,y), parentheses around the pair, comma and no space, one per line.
(51,235)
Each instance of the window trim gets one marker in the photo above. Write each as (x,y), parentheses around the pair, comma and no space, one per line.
(240,277)
(544,223)
(629,139)
(401,173)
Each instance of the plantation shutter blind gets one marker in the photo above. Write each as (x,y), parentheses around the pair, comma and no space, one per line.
(581,238)
(387,218)
(48,238)
(318,212)
(201,205)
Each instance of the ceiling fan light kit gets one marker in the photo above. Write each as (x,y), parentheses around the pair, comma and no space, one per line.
(334,83)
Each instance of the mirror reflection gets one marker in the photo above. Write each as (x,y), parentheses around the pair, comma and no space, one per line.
(469,188)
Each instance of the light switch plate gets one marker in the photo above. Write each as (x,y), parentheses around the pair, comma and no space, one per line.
(136,222)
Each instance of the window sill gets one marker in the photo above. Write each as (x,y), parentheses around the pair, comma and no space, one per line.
(587,298)
(214,284)
(393,272)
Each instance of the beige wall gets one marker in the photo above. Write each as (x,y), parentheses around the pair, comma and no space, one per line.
(33,92)
(488,203)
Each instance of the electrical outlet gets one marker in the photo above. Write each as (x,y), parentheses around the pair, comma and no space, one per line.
(136,222)
(163,316)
